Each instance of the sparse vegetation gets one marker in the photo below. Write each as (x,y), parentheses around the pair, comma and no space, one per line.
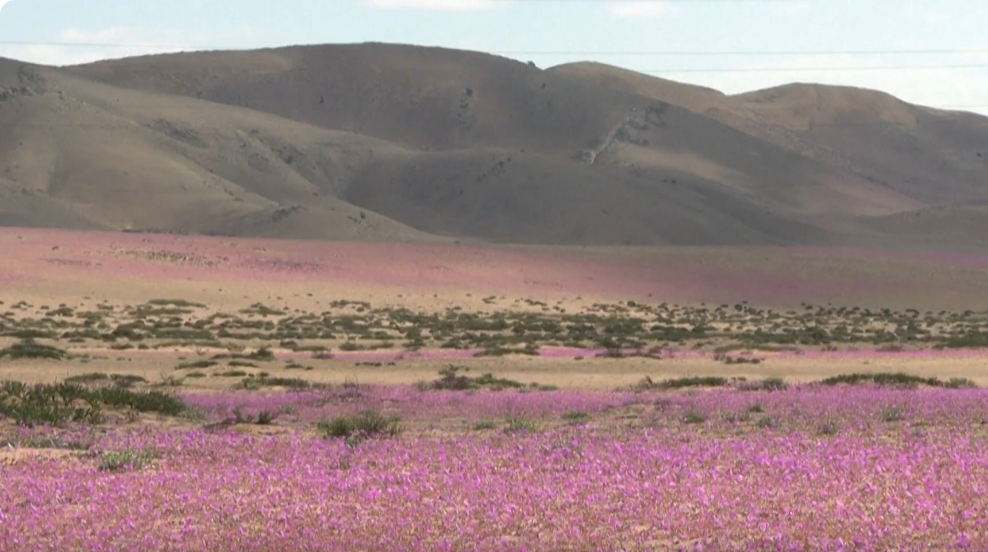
(367,423)
(30,349)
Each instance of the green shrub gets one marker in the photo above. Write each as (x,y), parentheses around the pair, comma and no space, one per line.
(231,374)
(198,364)
(774,384)
(367,423)
(883,378)
(29,349)
(693,416)
(698,381)
(127,459)
(961,383)
(263,380)
(517,423)
(574,416)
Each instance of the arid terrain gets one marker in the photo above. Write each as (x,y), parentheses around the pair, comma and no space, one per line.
(376,298)
(387,142)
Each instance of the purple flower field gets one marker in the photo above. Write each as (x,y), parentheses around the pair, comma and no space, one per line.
(808,468)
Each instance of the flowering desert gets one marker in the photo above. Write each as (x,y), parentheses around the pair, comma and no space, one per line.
(151,400)
(846,465)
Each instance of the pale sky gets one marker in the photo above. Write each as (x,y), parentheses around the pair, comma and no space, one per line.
(730,42)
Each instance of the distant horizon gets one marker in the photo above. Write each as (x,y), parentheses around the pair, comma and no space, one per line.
(933,56)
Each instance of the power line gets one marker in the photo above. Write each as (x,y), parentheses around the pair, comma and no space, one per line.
(740,52)
(815,69)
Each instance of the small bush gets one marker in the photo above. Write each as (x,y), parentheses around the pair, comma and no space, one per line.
(199,364)
(128,459)
(231,374)
(694,417)
(485,425)
(705,381)
(518,424)
(88,378)
(883,378)
(29,349)
(774,384)
(893,414)
(452,380)
(767,422)
(961,383)
(151,400)
(574,416)
(262,380)
(828,427)
(367,423)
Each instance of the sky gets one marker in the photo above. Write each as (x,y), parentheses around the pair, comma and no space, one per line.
(931,52)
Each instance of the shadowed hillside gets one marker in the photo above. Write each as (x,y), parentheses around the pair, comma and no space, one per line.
(389,142)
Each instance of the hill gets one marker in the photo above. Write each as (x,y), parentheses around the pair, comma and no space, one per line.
(391,142)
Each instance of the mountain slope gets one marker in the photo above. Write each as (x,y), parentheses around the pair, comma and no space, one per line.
(377,141)
(108,157)
(85,155)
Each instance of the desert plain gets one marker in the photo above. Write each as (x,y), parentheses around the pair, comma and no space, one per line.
(272,394)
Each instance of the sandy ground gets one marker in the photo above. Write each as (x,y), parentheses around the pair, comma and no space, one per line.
(589,373)
(53,266)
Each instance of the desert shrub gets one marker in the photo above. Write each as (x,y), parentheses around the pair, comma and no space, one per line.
(828,427)
(516,423)
(367,423)
(767,422)
(29,334)
(151,400)
(88,378)
(883,378)
(696,381)
(170,381)
(961,383)
(773,384)
(241,364)
(265,417)
(263,380)
(231,374)
(48,404)
(694,416)
(261,354)
(30,349)
(574,416)
(127,459)
(121,380)
(198,364)
(893,413)
(451,379)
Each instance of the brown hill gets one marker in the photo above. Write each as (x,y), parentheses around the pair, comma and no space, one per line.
(391,142)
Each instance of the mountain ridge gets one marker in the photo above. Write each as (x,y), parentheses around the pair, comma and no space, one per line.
(392,142)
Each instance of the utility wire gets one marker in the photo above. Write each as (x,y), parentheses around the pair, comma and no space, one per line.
(689,53)
(814,69)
